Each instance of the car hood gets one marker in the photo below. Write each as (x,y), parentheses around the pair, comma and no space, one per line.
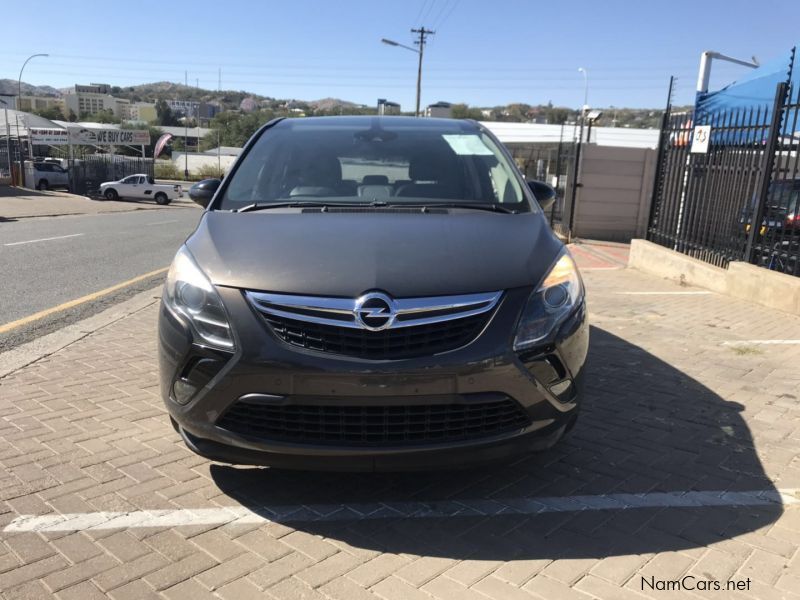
(404,255)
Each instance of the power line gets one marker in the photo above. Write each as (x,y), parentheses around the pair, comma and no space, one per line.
(450,12)
(444,6)
(419,12)
(425,16)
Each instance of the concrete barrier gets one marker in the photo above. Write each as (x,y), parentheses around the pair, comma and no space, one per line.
(740,280)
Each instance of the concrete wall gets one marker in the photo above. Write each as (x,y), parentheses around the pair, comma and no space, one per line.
(613,200)
(740,280)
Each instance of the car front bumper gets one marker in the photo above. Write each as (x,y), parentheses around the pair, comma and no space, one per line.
(545,382)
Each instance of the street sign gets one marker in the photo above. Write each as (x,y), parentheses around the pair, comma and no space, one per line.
(700,139)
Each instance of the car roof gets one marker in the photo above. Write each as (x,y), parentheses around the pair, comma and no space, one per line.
(380,121)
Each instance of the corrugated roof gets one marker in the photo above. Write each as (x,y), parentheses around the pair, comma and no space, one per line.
(528,133)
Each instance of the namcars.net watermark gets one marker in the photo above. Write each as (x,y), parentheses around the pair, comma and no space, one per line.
(692,583)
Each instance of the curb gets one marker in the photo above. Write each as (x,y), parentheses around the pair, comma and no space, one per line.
(37,349)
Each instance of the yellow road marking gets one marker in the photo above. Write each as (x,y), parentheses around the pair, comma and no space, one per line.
(72,303)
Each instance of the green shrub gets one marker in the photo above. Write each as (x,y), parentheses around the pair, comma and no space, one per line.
(167,170)
(207,172)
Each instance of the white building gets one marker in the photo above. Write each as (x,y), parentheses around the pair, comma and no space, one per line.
(90,99)
(442,110)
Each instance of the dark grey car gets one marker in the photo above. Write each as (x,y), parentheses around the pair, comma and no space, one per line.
(372,293)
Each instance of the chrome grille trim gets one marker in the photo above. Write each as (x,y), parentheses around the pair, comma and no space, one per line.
(341,312)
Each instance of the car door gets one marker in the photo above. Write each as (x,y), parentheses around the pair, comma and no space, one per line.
(148,190)
(125,187)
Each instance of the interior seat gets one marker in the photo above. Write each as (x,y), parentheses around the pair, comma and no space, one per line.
(430,179)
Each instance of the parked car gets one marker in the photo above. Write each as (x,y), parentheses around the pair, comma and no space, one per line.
(372,293)
(48,175)
(782,211)
(140,186)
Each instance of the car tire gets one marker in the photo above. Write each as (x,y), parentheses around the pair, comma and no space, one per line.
(111,194)
(43,186)
(161,199)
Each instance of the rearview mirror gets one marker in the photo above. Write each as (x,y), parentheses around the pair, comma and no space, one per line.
(203,191)
(545,194)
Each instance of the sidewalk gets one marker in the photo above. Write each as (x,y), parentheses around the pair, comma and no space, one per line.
(20,203)
(685,462)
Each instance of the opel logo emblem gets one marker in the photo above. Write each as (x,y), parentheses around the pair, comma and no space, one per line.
(375,311)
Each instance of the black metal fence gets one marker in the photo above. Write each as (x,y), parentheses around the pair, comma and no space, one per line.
(552,163)
(90,170)
(739,199)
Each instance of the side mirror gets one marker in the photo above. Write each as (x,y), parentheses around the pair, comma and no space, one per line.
(203,191)
(545,194)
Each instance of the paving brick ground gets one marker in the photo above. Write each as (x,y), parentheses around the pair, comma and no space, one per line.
(669,407)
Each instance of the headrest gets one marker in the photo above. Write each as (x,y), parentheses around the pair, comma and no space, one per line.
(375,180)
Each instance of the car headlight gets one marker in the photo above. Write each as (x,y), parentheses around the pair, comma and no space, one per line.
(560,292)
(189,293)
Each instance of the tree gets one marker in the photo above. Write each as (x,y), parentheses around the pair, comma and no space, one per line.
(462,111)
(52,112)
(164,114)
(72,117)
(103,116)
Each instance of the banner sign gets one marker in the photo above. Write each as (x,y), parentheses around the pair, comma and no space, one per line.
(49,137)
(110,137)
(161,143)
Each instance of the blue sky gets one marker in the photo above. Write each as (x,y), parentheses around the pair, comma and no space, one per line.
(484,53)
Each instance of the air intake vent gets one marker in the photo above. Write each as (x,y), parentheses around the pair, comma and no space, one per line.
(370,425)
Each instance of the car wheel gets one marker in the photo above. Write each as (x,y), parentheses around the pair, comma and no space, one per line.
(161,198)
(43,185)
(111,194)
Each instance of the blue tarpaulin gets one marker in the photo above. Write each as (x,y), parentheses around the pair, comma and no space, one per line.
(753,91)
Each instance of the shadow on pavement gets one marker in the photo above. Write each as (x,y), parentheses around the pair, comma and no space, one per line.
(645,427)
(7,191)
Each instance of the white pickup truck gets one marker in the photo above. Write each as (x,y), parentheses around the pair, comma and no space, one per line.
(140,186)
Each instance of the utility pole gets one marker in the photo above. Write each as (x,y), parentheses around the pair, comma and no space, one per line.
(186,132)
(421,43)
(219,92)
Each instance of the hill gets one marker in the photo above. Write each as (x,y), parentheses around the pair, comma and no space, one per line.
(9,87)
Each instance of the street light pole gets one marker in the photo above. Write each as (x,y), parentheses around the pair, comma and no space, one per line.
(8,137)
(19,108)
(585,106)
(421,43)
(585,87)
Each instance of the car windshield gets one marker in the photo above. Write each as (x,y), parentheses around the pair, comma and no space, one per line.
(379,160)
(785,194)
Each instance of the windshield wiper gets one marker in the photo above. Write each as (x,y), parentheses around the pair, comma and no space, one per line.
(304,204)
(488,206)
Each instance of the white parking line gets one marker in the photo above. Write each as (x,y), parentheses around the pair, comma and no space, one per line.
(392,510)
(694,293)
(761,342)
(163,222)
(59,237)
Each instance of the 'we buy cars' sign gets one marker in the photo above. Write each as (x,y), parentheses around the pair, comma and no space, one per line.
(109,137)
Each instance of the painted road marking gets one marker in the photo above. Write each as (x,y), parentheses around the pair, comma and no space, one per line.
(600,268)
(163,222)
(72,303)
(761,342)
(60,237)
(392,510)
(703,293)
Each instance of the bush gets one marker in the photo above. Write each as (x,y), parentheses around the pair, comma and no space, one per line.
(207,172)
(167,170)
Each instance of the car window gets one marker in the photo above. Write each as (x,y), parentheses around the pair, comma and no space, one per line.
(364,162)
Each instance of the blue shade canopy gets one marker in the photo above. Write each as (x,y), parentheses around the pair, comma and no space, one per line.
(749,99)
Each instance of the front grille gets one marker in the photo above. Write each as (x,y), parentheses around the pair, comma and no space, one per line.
(376,327)
(373,425)
(389,344)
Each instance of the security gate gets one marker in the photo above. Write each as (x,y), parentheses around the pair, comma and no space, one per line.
(739,199)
